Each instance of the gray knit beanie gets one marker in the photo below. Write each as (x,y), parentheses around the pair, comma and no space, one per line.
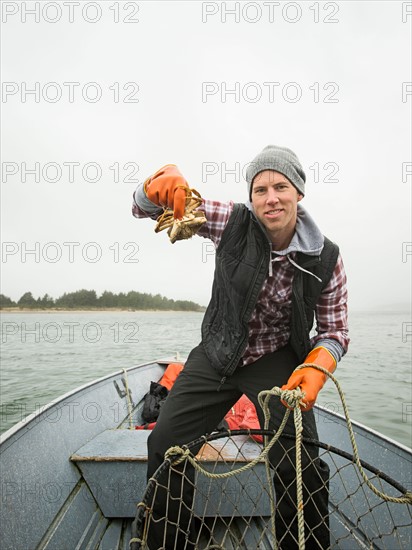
(281,160)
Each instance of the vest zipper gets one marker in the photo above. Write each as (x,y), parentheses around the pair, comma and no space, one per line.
(303,321)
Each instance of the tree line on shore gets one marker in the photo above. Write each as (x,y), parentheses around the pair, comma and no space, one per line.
(86,299)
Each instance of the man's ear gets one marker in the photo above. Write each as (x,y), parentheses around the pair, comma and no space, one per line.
(300,197)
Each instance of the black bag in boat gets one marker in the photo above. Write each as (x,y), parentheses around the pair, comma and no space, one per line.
(153,402)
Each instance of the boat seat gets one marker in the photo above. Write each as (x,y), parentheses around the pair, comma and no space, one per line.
(114,465)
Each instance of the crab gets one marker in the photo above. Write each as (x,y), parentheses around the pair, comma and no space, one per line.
(191,222)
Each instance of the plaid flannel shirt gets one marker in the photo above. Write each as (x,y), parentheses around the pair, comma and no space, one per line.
(269,326)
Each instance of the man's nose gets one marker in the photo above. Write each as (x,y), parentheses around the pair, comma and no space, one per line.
(272,196)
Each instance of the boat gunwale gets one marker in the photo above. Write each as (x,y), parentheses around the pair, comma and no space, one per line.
(26,421)
(366,429)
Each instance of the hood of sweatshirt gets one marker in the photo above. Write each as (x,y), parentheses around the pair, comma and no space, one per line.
(307,237)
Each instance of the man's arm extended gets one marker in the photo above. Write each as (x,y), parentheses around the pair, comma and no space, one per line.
(217,213)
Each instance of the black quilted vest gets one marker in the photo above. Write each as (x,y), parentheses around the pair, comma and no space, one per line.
(242,264)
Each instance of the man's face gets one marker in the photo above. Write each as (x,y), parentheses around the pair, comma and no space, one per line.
(275,201)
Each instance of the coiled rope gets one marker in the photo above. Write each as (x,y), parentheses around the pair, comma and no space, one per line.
(407,497)
(294,399)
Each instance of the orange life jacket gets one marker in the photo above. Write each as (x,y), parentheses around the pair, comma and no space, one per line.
(170,375)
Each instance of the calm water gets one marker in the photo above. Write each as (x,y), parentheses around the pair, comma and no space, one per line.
(47,354)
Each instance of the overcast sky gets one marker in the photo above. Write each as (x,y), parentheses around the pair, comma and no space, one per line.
(97,96)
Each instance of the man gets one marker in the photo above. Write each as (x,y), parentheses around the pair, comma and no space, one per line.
(274,272)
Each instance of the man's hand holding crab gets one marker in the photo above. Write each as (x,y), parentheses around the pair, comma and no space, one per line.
(169,189)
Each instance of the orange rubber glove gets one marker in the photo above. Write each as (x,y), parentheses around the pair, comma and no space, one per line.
(311,380)
(166,188)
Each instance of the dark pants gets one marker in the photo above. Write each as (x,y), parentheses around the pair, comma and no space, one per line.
(194,407)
